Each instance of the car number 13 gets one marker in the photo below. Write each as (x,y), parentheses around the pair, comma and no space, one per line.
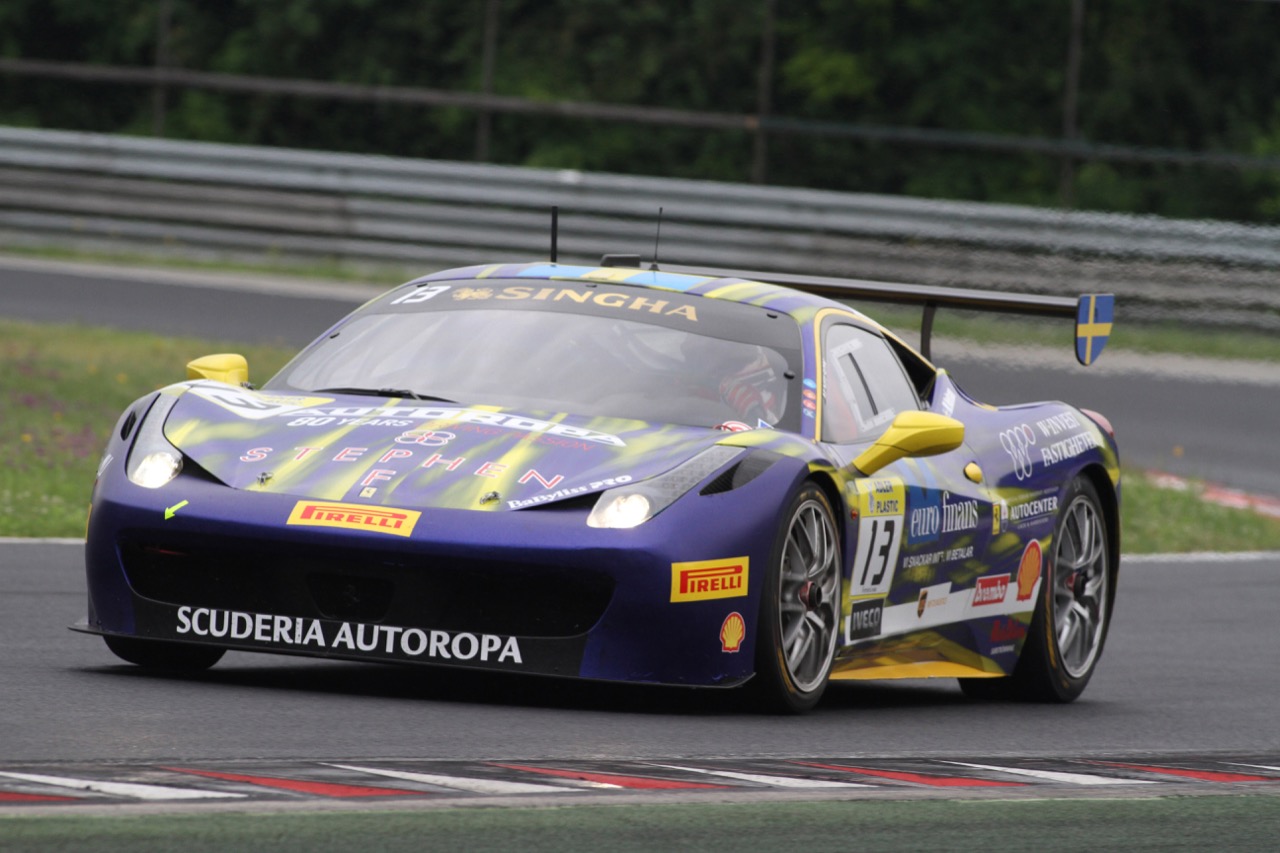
(881,504)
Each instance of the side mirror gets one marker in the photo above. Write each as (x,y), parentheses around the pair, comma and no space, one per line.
(911,434)
(228,367)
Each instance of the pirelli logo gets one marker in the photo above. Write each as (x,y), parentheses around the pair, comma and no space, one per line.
(709,579)
(375,519)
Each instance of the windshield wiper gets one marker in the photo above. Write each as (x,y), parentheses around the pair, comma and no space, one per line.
(384,392)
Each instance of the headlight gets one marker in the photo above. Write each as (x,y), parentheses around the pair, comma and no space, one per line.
(622,509)
(635,503)
(153,461)
(156,469)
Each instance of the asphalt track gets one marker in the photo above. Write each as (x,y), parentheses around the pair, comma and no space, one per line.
(1182,703)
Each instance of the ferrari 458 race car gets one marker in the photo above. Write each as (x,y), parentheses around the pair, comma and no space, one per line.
(678,477)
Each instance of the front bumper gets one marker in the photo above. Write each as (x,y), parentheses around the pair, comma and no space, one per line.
(534,591)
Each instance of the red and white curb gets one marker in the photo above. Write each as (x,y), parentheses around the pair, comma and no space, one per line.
(1216,494)
(71,784)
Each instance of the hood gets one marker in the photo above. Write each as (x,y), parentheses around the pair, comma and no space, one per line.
(409,453)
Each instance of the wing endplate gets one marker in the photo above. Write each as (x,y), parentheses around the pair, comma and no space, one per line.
(1095,314)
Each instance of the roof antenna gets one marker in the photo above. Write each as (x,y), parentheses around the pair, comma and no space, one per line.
(555,231)
(656,237)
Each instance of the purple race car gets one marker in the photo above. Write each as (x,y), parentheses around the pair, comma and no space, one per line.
(680,477)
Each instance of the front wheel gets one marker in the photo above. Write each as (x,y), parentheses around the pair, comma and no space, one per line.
(157,654)
(1073,609)
(800,607)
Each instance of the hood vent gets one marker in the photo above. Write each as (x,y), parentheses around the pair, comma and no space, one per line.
(737,476)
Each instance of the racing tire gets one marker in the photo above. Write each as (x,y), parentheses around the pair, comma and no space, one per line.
(799,607)
(157,654)
(1073,610)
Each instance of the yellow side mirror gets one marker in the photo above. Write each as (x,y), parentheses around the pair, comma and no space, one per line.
(911,434)
(228,367)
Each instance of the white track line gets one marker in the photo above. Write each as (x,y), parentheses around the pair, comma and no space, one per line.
(461,783)
(1203,557)
(1058,776)
(135,790)
(763,779)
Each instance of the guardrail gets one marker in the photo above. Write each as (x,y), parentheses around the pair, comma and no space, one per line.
(145,195)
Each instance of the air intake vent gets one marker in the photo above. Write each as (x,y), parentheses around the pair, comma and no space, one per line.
(744,472)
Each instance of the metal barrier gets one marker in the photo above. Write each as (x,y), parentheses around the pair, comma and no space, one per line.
(206,200)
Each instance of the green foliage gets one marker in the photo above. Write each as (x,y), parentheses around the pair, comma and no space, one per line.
(1171,74)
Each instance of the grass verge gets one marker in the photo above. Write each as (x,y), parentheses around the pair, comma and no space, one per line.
(62,389)
(1236,822)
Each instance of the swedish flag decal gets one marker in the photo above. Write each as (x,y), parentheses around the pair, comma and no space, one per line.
(1095,313)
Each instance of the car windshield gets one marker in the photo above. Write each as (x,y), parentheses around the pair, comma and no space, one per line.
(553,360)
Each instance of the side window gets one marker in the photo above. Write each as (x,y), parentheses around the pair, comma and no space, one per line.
(864,385)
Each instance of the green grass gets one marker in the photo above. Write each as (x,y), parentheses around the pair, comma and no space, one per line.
(62,389)
(1238,822)
(1161,520)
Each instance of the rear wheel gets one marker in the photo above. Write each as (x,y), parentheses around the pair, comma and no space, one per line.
(1073,609)
(157,654)
(800,607)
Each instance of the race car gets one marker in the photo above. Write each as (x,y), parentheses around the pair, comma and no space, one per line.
(675,477)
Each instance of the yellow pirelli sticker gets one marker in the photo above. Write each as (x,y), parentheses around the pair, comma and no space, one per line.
(709,579)
(374,519)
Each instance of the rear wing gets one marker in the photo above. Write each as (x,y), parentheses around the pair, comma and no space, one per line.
(1094,313)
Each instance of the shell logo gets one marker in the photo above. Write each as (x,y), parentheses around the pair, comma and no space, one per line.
(1029,570)
(732,632)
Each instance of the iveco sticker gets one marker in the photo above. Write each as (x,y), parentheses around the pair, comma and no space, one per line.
(864,619)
